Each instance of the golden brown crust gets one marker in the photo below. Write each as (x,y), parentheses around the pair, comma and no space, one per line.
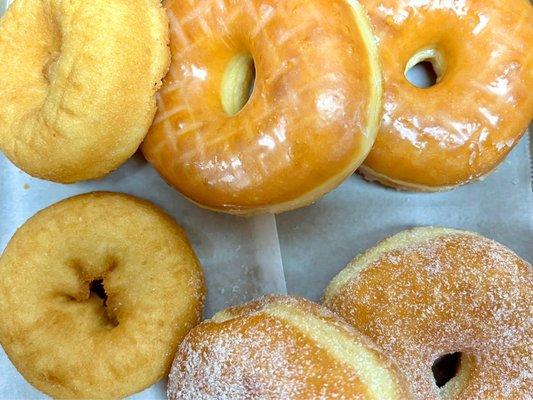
(428,292)
(311,118)
(280,347)
(463,127)
(59,334)
(78,83)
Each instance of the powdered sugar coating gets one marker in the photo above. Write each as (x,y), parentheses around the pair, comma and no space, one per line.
(456,292)
(248,352)
(222,351)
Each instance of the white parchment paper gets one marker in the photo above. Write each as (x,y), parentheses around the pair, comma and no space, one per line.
(318,241)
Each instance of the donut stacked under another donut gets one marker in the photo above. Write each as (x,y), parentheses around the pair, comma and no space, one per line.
(63,338)
(77,83)
(280,348)
(311,118)
(461,128)
(425,293)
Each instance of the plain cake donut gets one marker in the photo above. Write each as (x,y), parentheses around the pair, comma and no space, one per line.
(77,83)
(432,292)
(460,129)
(96,292)
(309,122)
(280,347)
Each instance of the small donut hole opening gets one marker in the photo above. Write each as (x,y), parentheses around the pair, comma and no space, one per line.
(425,68)
(237,83)
(445,368)
(422,75)
(96,287)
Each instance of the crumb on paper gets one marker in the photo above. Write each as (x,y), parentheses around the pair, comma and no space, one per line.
(26,186)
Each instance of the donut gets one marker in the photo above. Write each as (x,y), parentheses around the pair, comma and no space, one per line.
(463,127)
(96,292)
(280,347)
(312,70)
(78,83)
(431,296)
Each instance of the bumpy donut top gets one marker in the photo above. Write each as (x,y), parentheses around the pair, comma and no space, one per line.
(311,117)
(60,335)
(429,292)
(280,348)
(461,128)
(77,83)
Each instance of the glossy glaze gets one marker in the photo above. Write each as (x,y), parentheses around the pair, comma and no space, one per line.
(463,127)
(308,124)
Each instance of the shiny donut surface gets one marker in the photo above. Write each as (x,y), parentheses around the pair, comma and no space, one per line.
(311,117)
(461,128)
(430,292)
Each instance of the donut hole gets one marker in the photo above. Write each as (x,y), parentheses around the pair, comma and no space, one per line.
(422,75)
(425,69)
(96,288)
(445,368)
(237,83)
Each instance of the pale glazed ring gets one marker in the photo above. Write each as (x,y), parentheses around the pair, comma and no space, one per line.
(77,83)
(428,292)
(311,118)
(63,338)
(462,128)
(281,348)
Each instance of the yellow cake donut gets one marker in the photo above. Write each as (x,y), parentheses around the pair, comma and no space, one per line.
(431,293)
(461,128)
(96,292)
(281,348)
(77,83)
(311,117)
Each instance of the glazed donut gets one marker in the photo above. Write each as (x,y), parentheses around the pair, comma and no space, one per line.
(280,348)
(460,129)
(311,117)
(431,292)
(96,292)
(78,82)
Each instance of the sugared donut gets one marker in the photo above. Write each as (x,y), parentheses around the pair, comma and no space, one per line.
(78,82)
(280,348)
(311,117)
(461,128)
(96,292)
(431,292)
